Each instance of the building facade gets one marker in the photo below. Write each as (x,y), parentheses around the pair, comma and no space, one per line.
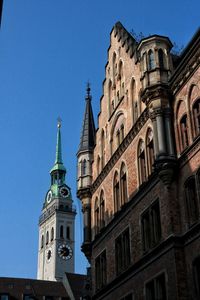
(139,172)
(56,225)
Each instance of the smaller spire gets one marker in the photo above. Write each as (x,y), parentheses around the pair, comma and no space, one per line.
(87,142)
(58,165)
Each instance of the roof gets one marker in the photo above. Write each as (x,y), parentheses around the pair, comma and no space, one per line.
(77,284)
(18,287)
(87,142)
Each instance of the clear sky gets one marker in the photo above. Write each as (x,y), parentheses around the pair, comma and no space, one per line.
(48,51)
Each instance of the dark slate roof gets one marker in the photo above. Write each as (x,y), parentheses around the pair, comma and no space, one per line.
(88,130)
(16,288)
(77,284)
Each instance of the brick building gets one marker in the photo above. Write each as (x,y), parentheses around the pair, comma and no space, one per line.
(138,172)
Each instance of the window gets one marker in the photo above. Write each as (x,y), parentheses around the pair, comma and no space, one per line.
(156,289)
(52,234)
(98,165)
(4,297)
(161,58)
(100,271)
(196,116)
(151,226)
(102,210)
(120,78)
(196,272)
(84,166)
(61,232)
(68,233)
(150,151)
(122,133)
(151,60)
(122,251)
(141,162)
(47,238)
(123,184)
(96,216)
(184,132)
(127,297)
(103,149)
(191,200)
(42,241)
(116,192)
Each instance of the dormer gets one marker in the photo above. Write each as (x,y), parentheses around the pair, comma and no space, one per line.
(155,60)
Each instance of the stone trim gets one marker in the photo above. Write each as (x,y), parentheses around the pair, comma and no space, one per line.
(120,150)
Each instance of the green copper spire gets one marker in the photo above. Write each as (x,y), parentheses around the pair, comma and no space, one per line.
(58,166)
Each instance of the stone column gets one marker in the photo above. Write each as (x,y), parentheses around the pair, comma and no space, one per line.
(169,132)
(161,132)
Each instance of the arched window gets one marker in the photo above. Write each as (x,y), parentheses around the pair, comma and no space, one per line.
(161,58)
(61,232)
(120,78)
(150,151)
(84,166)
(47,238)
(52,234)
(151,61)
(116,192)
(142,162)
(103,148)
(102,210)
(196,116)
(98,165)
(191,200)
(96,216)
(42,242)
(123,184)
(111,102)
(114,66)
(68,232)
(184,132)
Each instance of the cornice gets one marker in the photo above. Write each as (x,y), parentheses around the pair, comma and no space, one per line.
(185,70)
(120,150)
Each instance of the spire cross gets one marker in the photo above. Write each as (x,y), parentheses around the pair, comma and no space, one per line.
(59,122)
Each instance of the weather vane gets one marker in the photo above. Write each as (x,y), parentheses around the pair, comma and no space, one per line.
(59,122)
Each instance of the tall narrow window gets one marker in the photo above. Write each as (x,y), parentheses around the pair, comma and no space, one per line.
(151,60)
(61,232)
(110,96)
(151,226)
(122,251)
(120,78)
(161,58)
(150,151)
(47,238)
(103,149)
(191,200)
(84,166)
(42,241)
(116,193)
(98,165)
(102,210)
(142,162)
(100,271)
(52,234)
(96,216)
(184,132)
(68,232)
(121,133)
(156,289)
(196,116)
(123,184)
(196,272)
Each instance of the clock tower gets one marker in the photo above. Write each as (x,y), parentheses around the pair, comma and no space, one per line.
(56,224)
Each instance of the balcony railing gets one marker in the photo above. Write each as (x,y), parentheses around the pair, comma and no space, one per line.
(62,208)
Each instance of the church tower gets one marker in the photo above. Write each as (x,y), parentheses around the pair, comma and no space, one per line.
(56,224)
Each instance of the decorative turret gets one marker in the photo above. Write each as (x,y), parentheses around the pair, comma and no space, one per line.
(84,176)
(156,68)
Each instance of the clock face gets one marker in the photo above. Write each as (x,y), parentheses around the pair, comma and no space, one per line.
(49,196)
(48,254)
(64,191)
(64,251)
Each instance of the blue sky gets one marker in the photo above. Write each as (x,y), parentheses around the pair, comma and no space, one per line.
(48,51)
